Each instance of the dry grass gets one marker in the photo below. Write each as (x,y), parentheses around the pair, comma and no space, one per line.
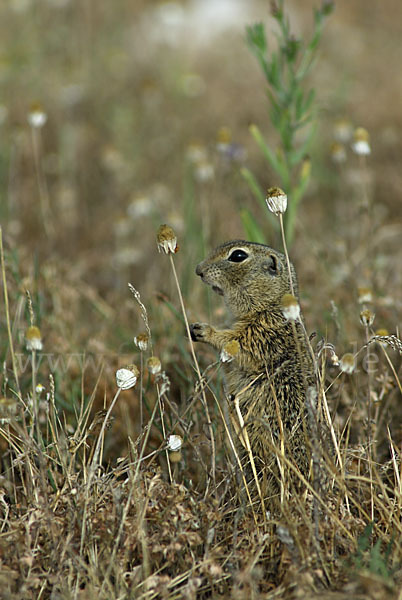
(92,503)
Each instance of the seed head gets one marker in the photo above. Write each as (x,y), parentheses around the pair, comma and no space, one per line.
(347,363)
(276,200)
(367,318)
(229,351)
(343,131)
(365,295)
(154,365)
(174,443)
(290,307)
(361,142)
(126,377)
(196,153)
(33,339)
(224,139)
(167,240)
(141,341)
(204,171)
(338,153)
(37,116)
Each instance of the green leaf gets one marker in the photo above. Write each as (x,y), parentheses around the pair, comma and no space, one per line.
(299,104)
(268,153)
(256,37)
(274,75)
(309,101)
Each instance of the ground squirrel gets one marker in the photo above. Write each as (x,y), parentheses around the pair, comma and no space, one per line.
(272,367)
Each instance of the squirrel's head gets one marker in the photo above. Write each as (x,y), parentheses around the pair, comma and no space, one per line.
(251,277)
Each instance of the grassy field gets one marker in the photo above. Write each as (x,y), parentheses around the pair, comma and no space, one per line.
(117,117)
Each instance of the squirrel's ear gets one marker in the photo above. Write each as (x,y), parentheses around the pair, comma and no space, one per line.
(271,266)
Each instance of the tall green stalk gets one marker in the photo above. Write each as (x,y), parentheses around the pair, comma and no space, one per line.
(292,110)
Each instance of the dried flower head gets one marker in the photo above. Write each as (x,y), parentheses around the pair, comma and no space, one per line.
(167,240)
(343,131)
(141,341)
(361,142)
(140,206)
(33,339)
(276,200)
(196,153)
(365,295)
(229,351)
(367,318)
(290,307)
(338,153)
(175,457)
(204,171)
(174,443)
(334,358)
(224,139)
(126,377)
(37,116)
(347,363)
(154,365)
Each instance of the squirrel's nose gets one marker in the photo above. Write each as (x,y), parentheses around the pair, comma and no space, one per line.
(198,270)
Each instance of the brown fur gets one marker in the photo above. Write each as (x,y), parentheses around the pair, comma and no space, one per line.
(272,369)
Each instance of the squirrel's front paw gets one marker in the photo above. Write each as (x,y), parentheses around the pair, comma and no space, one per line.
(200,332)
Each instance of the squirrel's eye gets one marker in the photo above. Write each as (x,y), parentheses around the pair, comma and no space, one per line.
(238,256)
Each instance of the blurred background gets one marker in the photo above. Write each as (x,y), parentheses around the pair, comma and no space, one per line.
(112,117)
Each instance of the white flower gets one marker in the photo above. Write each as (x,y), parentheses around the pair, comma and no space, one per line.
(361,142)
(347,363)
(174,443)
(204,171)
(290,307)
(33,339)
(343,131)
(140,207)
(277,200)
(126,377)
(338,153)
(365,295)
(154,365)
(367,318)
(224,139)
(196,153)
(167,240)
(229,351)
(37,117)
(141,341)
